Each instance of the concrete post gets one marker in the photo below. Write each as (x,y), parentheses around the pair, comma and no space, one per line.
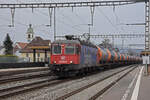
(45,55)
(34,55)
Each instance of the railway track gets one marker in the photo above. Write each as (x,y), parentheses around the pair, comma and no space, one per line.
(18,77)
(8,92)
(15,90)
(22,75)
(44,79)
(94,97)
(18,74)
(15,71)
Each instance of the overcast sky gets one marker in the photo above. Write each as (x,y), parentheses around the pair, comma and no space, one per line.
(107,20)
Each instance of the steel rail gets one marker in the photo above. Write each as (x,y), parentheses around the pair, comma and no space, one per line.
(109,86)
(21,71)
(8,92)
(20,78)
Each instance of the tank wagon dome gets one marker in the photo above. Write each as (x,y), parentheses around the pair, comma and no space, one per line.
(103,55)
(121,57)
(116,55)
(109,54)
(127,57)
(100,53)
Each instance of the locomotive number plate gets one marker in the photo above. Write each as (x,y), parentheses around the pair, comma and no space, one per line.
(63,57)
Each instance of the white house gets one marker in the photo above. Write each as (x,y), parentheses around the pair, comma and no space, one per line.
(2,49)
(18,46)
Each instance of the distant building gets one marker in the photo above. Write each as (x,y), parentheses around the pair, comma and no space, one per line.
(130,51)
(18,46)
(38,48)
(30,33)
(2,50)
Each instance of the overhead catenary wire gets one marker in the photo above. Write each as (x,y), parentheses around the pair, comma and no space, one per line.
(68,25)
(69,0)
(107,18)
(66,17)
(62,22)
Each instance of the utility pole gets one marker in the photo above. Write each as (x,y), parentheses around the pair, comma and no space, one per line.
(89,31)
(147,34)
(146,53)
(12,17)
(54,24)
(113,41)
(122,43)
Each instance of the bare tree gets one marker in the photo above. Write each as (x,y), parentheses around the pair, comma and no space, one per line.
(106,44)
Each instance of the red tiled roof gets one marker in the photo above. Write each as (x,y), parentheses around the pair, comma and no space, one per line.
(37,41)
(21,44)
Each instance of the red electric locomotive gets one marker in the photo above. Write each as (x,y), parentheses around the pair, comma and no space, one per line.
(65,53)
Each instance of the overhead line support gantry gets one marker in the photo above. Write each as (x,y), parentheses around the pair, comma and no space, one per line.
(67,4)
(109,36)
(83,4)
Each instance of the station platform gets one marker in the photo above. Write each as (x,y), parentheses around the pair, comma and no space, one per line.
(134,86)
(144,90)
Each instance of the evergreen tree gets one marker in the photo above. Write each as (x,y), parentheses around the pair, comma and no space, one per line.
(8,45)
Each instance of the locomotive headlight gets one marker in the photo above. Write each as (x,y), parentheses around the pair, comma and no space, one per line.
(55,62)
(71,62)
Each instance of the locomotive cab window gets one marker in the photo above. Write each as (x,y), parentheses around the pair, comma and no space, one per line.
(78,49)
(69,49)
(56,49)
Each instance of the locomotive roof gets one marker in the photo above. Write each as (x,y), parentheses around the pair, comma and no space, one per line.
(88,44)
(75,42)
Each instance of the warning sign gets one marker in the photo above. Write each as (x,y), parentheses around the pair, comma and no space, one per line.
(146,59)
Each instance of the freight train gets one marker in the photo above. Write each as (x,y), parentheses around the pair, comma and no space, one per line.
(72,57)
